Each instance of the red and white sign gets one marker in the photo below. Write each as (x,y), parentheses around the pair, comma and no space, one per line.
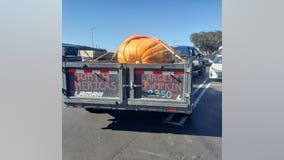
(92,71)
(159,72)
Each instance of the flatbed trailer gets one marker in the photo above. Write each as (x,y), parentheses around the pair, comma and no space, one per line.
(108,85)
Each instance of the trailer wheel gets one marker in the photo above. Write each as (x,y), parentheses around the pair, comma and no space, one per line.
(93,110)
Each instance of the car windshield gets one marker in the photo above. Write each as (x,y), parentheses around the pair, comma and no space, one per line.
(218,60)
(181,51)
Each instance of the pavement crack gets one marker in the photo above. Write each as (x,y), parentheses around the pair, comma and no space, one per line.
(200,157)
(183,157)
(116,155)
(209,146)
(153,154)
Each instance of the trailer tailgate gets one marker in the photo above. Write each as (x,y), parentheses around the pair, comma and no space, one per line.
(93,83)
(160,85)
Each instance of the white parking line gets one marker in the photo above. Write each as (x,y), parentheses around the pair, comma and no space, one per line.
(169,117)
(184,118)
(201,85)
(180,123)
(200,95)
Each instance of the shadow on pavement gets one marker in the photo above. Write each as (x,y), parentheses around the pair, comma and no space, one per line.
(206,119)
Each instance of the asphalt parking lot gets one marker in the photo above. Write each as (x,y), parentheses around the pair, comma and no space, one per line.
(147,135)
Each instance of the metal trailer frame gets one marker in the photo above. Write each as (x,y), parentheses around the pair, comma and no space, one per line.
(126,99)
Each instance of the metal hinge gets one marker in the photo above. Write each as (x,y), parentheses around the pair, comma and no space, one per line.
(137,85)
(187,95)
(125,85)
(131,85)
(188,70)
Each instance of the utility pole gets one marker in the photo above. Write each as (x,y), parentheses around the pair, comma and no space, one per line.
(92,29)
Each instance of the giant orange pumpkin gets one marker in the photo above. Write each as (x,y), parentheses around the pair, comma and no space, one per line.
(145,50)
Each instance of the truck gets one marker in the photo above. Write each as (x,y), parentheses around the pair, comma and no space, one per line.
(106,85)
(192,54)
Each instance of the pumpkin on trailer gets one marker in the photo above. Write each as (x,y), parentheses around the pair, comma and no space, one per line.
(145,50)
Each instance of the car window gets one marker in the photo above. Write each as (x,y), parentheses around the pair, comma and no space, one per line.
(191,53)
(181,51)
(195,52)
(218,60)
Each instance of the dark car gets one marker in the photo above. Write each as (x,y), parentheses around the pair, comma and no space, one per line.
(71,52)
(206,59)
(192,54)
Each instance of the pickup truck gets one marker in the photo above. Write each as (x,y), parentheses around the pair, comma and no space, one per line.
(109,85)
(193,56)
(81,53)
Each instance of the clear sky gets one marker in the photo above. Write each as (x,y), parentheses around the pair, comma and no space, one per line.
(172,21)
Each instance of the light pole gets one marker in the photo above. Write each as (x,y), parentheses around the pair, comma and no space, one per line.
(92,29)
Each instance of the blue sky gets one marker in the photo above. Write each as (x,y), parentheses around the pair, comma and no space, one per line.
(172,21)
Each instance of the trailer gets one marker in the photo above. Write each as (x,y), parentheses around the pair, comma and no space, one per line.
(109,85)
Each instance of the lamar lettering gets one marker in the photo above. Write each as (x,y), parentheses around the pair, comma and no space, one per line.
(88,94)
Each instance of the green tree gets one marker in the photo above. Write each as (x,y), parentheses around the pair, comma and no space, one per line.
(207,41)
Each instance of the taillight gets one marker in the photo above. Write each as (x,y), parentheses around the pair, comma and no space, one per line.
(171,109)
(78,104)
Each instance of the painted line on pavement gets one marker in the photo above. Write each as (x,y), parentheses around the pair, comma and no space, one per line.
(180,123)
(169,117)
(201,85)
(200,96)
(183,119)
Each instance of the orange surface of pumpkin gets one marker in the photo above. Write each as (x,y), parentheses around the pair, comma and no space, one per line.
(145,50)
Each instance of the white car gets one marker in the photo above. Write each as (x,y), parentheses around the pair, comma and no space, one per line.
(215,70)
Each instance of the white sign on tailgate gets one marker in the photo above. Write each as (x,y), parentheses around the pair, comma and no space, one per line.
(88,94)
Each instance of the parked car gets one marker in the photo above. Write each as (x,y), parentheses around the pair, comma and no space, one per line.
(220,50)
(192,54)
(206,59)
(74,53)
(215,70)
